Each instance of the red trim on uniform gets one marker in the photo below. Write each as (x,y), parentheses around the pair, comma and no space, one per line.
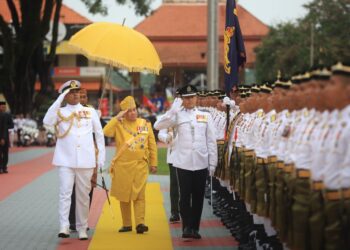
(98,200)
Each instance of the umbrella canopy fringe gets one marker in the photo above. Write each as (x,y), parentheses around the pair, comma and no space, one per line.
(114,63)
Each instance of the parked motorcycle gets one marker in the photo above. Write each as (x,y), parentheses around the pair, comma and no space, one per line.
(28,136)
(50,136)
(29,133)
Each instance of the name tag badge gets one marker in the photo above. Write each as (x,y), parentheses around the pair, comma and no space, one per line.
(202,118)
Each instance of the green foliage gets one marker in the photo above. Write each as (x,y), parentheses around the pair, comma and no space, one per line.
(163,168)
(287,46)
(142,7)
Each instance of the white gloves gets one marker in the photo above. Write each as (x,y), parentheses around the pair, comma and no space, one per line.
(169,138)
(100,165)
(176,106)
(228,101)
(211,170)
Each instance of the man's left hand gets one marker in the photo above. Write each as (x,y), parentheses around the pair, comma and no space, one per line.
(153,169)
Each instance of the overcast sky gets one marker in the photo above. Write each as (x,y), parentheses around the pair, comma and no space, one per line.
(269,11)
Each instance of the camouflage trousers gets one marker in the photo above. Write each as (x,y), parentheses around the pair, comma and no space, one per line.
(317,217)
(246,174)
(334,223)
(272,169)
(262,188)
(301,213)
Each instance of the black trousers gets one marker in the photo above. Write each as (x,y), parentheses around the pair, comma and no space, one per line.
(174,191)
(72,207)
(4,156)
(192,187)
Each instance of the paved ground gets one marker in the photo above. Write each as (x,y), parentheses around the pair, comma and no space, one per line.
(28,207)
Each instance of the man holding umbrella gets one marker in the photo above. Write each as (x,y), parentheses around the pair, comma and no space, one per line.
(75,153)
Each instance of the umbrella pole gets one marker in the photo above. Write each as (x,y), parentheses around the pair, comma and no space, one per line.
(174,91)
(104,86)
(110,92)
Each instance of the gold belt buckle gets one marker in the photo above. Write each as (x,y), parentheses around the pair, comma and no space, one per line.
(303,173)
(280,165)
(261,161)
(333,195)
(317,185)
(346,193)
(288,168)
(272,159)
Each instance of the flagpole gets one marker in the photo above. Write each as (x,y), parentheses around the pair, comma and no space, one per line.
(213,63)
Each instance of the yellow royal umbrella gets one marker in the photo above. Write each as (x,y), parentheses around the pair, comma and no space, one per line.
(118,46)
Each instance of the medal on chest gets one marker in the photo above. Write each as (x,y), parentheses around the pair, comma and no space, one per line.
(202,118)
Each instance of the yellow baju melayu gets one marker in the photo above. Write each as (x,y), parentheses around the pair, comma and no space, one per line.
(136,150)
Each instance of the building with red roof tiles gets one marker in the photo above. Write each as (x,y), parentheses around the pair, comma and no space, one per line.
(178,30)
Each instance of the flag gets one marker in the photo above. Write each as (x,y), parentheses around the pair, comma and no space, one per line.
(234,51)
(147,103)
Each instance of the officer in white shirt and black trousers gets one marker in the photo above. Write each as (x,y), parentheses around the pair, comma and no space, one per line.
(74,154)
(196,153)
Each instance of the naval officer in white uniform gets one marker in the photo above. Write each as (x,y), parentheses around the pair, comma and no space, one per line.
(196,152)
(74,154)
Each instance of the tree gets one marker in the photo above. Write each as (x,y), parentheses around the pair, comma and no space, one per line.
(287,46)
(285,49)
(23,48)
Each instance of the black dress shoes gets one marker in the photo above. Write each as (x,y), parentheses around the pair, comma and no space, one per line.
(141,228)
(196,235)
(125,229)
(5,171)
(174,218)
(187,233)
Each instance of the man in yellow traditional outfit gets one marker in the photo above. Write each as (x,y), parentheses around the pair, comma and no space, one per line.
(136,155)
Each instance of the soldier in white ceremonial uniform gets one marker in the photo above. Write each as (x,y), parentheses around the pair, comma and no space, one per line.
(74,154)
(196,152)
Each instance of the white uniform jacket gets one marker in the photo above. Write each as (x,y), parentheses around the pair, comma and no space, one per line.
(76,149)
(196,147)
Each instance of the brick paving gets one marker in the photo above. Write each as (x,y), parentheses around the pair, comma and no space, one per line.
(29,218)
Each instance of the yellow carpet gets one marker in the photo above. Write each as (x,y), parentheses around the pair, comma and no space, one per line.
(106,234)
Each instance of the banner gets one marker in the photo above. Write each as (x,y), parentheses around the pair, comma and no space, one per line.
(234,51)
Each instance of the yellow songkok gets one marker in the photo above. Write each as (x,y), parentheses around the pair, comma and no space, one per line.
(127,103)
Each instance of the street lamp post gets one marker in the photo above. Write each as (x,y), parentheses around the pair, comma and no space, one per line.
(213,63)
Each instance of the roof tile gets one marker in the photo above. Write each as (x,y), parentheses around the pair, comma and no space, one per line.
(190,20)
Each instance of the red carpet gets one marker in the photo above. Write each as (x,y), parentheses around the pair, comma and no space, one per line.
(74,243)
(23,173)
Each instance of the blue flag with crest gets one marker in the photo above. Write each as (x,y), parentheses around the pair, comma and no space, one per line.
(234,51)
